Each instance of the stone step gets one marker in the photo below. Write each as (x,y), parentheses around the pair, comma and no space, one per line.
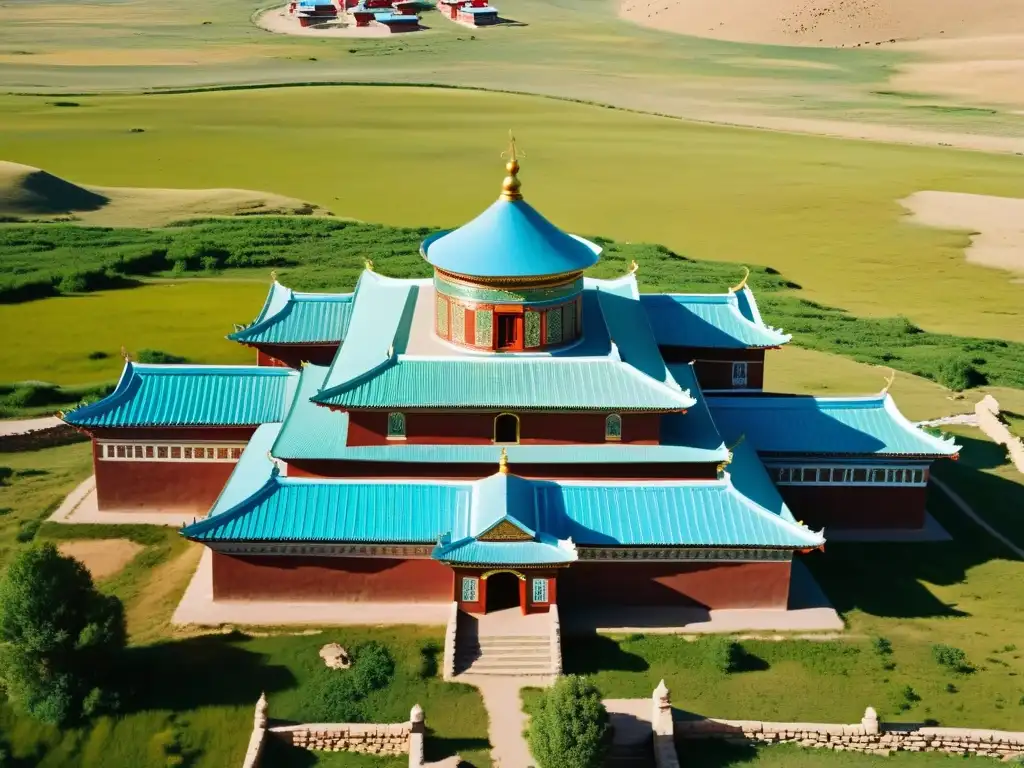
(505,661)
(500,669)
(520,643)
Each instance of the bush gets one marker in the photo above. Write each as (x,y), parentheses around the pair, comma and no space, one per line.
(882,646)
(338,695)
(958,373)
(73,283)
(157,356)
(569,726)
(59,636)
(27,530)
(720,653)
(372,667)
(951,658)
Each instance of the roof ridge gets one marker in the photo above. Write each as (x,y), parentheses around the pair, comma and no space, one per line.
(765,513)
(947,446)
(105,404)
(270,485)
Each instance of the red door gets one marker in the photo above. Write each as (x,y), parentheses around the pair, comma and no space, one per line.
(509,332)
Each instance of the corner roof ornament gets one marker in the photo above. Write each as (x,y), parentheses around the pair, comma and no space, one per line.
(888,382)
(633,267)
(273,275)
(124,354)
(503,462)
(510,186)
(369,265)
(742,283)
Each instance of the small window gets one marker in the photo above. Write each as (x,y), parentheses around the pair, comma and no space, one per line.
(810,474)
(613,427)
(739,374)
(838,475)
(188,452)
(506,428)
(918,475)
(175,451)
(222,453)
(470,587)
(200,452)
(540,590)
(121,451)
(396,426)
(161,451)
(236,453)
(823,475)
(878,475)
(149,451)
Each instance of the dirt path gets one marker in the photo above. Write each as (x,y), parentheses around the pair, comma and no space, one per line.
(24,426)
(103,557)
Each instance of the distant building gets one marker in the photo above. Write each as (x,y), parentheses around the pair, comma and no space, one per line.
(474,13)
(508,432)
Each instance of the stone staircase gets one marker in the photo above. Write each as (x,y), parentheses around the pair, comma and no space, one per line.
(505,643)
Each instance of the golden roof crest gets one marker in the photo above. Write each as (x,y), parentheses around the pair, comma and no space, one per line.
(742,284)
(503,462)
(510,186)
(888,381)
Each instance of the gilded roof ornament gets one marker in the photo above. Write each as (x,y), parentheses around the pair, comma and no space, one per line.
(503,462)
(273,275)
(124,354)
(369,265)
(633,267)
(510,186)
(742,284)
(888,381)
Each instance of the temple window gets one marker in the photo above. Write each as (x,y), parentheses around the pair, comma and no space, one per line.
(161,451)
(175,451)
(396,426)
(554,326)
(470,589)
(540,590)
(739,374)
(506,428)
(532,334)
(613,427)
(188,452)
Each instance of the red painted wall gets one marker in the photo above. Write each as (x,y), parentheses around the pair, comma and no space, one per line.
(379,469)
(293,355)
(330,578)
(163,485)
(713,367)
(370,428)
(708,585)
(840,506)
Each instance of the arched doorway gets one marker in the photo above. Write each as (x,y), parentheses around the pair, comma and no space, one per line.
(502,591)
(506,428)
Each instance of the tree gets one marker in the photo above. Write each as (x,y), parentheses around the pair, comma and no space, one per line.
(569,726)
(59,636)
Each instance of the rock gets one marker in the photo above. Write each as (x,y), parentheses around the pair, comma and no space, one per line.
(335,657)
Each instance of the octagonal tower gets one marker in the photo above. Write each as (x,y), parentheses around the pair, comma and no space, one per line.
(509,280)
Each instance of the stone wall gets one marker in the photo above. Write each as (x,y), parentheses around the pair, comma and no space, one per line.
(990,422)
(48,437)
(368,738)
(448,672)
(866,736)
(258,736)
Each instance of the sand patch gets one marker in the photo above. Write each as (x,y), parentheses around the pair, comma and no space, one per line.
(278,21)
(31,193)
(828,22)
(103,557)
(997,224)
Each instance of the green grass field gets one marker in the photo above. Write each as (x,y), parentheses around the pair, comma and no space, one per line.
(822,211)
(716,754)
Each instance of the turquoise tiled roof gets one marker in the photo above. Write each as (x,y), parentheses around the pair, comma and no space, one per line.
(741,510)
(288,317)
(191,395)
(509,239)
(805,425)
(312,431)
(728,320)
(546,551)
(603,384)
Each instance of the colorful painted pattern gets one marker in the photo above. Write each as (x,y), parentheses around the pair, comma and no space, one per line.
(442,316)
(489,295)
(532,323)
(484,322)
(554,329)
(458,323)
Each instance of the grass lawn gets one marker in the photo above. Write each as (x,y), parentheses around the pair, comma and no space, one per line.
(822,211)
(964,593)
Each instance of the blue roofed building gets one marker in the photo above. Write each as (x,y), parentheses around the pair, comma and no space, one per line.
(508,432)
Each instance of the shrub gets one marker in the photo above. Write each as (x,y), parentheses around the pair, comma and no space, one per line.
(74,282)
(951,658)
(27,530)
(720,653)
(6,473)
(338,695)
(372,667)
(882,646)
(950,688)
(59,636)
(157,356)
(98,355)
(569,727)
(958,373)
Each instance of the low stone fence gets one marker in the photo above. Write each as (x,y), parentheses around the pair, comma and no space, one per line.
(37,439)
(448,668)
(990,422)
(866,736)
(556,640)
(366,738)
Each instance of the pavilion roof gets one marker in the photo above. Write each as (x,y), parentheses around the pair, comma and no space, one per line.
(806,425)
(191,395)
(378,368)
(723,321)
(742,509)
(289,317)
(311,431)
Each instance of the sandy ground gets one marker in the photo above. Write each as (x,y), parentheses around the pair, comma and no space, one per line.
(998,224)
(31,193)
(103,557)
(829,22)
(277,20)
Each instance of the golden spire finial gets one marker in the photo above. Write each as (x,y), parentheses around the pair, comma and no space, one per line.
(510,186)
(503,462)
(369,265)
(633,267)
(124,355)
(742,283)
(888,381)
(273,275)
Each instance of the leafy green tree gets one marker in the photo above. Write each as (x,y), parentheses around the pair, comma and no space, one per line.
(59,636)
(569,726)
